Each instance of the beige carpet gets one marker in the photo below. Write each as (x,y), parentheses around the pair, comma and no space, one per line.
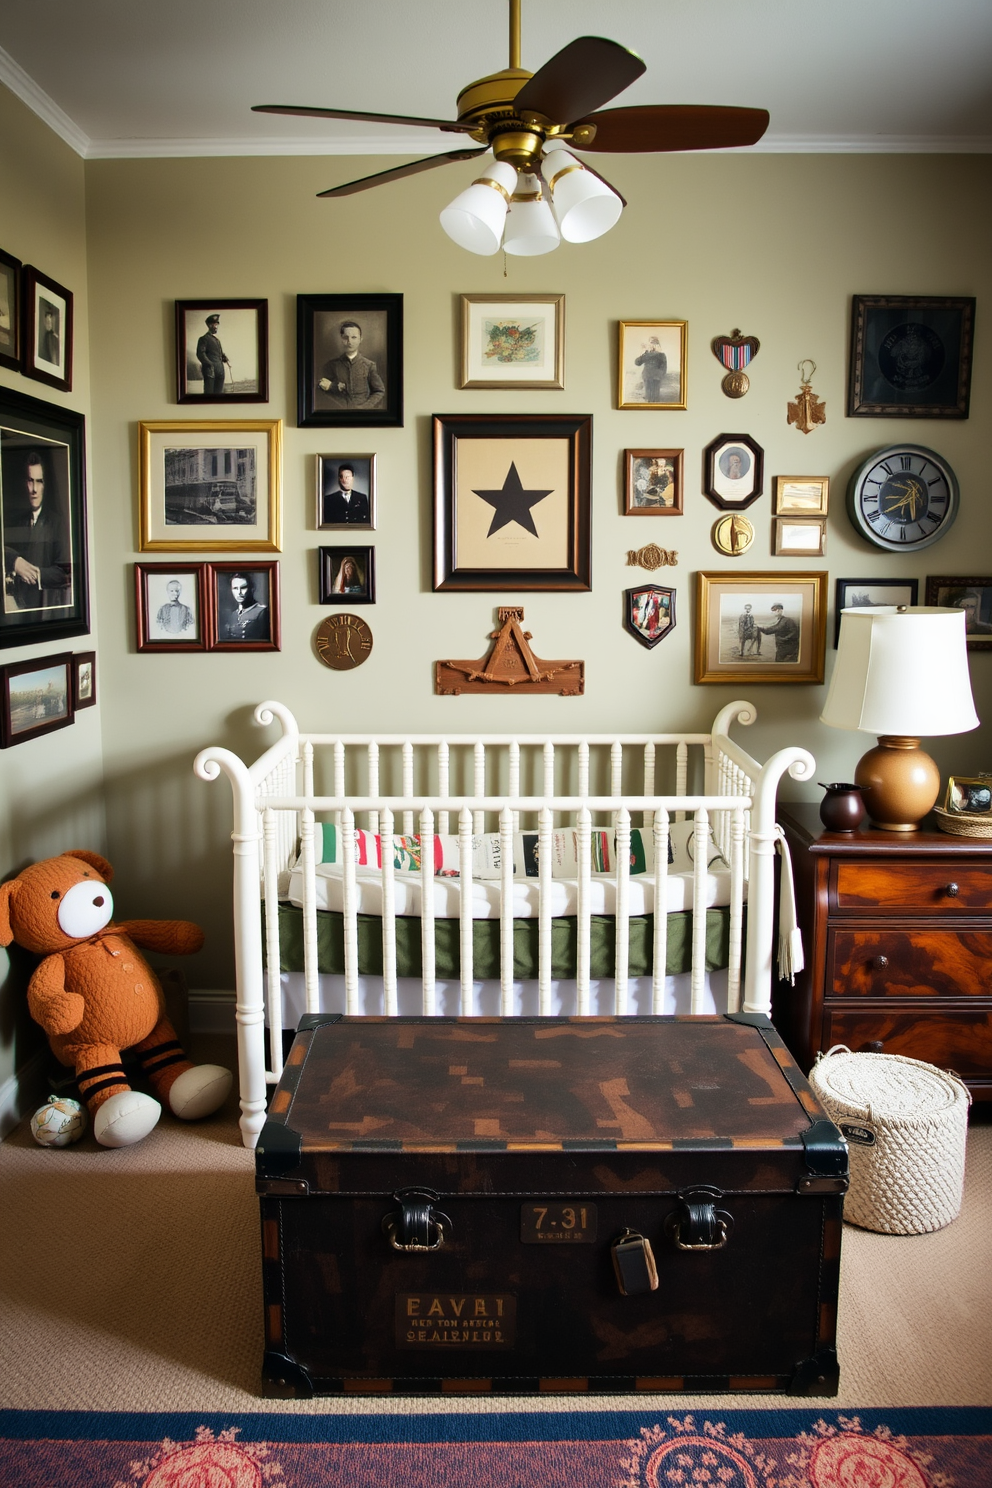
(130,1280)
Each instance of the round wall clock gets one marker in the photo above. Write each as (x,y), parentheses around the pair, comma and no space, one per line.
(903,497)
(342,642)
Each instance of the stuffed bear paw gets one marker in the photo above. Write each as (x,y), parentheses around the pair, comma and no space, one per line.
(199,1091)
(125,1118)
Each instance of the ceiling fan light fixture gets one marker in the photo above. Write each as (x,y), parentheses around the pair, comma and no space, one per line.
(475,219)
(585,206)
(530,223)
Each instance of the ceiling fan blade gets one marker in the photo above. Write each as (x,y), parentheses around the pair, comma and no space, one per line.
(585,74)
(399,171)
(657,127)
(331,113)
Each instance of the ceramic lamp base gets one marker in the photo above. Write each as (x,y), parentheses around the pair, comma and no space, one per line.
(899,783)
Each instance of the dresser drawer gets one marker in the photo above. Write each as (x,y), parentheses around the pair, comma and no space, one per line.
(909,963)
(960,1041)
(935,887)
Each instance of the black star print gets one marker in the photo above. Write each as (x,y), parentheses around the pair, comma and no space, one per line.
(513,503)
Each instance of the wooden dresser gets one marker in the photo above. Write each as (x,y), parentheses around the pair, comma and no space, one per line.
(897,932)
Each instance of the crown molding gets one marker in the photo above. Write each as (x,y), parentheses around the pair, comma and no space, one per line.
(872,144)
(27,90)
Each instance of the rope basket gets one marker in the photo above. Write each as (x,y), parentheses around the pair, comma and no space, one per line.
(906,1124)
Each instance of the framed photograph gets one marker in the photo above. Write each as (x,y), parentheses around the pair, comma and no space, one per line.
(856,594)
(346,491)
(512,501)
(35,698)
(800,495)
(653,363)
(83,680)
(910,356)
(347,575)
(243,606)
(733,471)
(652,482)
(349,351)
(43,518)
(649,613)
(47,329)
(761,627)
(513,341)
(972,795)
(974,596)
(211,486)
(10,312)
(800,537)
(222,351)
(170,602)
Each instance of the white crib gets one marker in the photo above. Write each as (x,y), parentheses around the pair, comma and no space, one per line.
(416,786)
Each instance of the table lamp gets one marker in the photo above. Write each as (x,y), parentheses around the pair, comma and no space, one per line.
(901,673)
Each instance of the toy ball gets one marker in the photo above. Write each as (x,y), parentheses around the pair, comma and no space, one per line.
(59,1123)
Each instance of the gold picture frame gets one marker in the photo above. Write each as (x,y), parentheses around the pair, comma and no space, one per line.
(760,627)
(210,486)
(800,495)
(800,537)
(648,352)
(512,341)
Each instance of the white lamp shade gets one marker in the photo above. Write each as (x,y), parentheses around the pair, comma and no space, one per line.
(474,220)
(530,223)
(584,205)
(901,671)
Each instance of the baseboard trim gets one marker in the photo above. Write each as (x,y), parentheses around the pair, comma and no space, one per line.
(23,1092)
(211,1011)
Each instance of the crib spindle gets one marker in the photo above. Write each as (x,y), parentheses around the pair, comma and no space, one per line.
(647,821)
(700,866)
(545,827)
(387,852)
(513,778)
(408,784)
(479,786)
(466,889)
(443,787)
(349,888)
(738,828)
(506,818)
(622,836)
(310,968)
(427,954)
(373,764)
(583,838)
(681,773)
(273,989)
(659,953)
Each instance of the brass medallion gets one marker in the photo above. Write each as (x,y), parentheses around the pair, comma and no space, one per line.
(733,535)
(735,352)
(343,642)
(651,557)
(736,384)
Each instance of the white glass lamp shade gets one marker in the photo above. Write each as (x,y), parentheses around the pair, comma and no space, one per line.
(530,223)
(584,205)
(474,220)
(901,672)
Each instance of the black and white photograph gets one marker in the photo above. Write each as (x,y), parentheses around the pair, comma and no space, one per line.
(733,471)
(213,486)
(83,680)
(859,594)
(10,312)
(244,606)
(222,350)
(35,698)
(974,596)
(349,360)
(346,491)
(170,606)
(347,575)
(47,350)
(42,516)
(652,363)
(764,626)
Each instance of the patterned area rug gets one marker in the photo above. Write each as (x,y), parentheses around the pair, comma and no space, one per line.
(925,1448)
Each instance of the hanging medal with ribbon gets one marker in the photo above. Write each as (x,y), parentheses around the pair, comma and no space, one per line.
(808,409)
(735,352)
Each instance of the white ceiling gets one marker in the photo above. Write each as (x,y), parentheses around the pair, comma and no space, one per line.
(178,77)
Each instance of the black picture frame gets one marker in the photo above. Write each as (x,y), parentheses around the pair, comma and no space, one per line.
(83,680)
(346,574)
(42,358)
(649,613)
(332,512)
(30,427)
(971,594)
(545,447)
(42,703)
(261,632)
(245,323)
(10,311)
(719,479)
(911,356)
(321,322)
(850,594)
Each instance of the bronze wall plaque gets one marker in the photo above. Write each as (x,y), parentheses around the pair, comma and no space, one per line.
(343,642)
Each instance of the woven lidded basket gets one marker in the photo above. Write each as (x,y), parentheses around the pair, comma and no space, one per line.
(906,1124)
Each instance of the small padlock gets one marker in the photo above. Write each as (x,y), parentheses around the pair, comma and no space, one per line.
(633,1262)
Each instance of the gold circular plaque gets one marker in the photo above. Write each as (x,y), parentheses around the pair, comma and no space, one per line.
(736,384)
(733,535)
(343,642)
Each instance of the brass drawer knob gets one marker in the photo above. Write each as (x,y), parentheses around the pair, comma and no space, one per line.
(951,890)
(881,962)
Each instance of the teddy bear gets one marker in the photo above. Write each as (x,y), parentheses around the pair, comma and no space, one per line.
(94,994)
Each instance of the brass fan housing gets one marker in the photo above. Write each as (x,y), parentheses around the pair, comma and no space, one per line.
(487,105)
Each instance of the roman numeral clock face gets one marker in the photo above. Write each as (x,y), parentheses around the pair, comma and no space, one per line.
(903,497)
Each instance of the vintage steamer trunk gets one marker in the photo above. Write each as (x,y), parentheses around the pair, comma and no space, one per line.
(482,1205)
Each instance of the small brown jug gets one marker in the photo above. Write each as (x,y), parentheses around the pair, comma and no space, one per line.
(842,809)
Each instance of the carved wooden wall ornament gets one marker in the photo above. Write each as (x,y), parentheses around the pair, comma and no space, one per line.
(510,666)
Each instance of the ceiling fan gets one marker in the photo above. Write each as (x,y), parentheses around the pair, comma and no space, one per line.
(536,191)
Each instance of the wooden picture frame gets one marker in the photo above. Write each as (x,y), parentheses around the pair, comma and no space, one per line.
(974,596)
(332,329)
(46,321)
(910,356)
(171,606)
(512,341)
(42,476)
(853,594)
(243,610)
(649,613)
(35,698)
(10,311)
(648,354)
(210,486)
(512,496)
(733,471)
(83,680)
(652,482)
(222,351)
(800,495)
(346,575)
(800,537)
(344,504)
(760,627)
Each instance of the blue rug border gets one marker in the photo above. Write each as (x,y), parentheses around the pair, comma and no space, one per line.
(334,1428)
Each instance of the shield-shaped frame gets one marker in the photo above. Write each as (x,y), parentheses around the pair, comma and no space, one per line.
(649,613)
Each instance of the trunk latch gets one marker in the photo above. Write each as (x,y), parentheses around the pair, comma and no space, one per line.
(698,1224)
(416,1225)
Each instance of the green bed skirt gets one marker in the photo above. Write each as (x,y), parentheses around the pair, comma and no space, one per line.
(602,936)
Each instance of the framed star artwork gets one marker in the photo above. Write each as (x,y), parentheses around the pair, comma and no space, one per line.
(512,501)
